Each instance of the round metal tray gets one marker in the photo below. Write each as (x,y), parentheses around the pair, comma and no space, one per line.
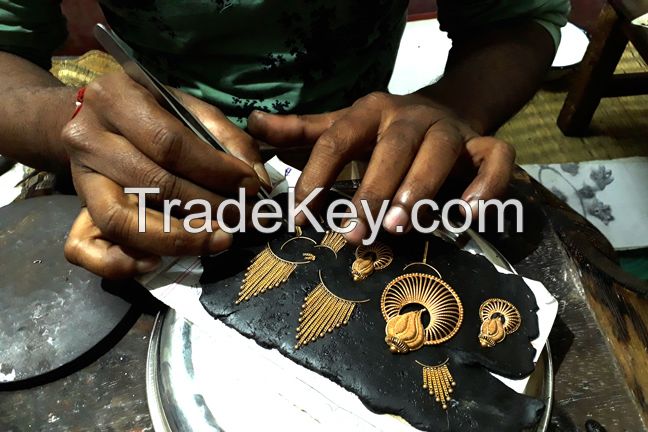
(178,401)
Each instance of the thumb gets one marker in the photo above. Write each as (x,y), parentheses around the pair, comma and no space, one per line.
(290,130)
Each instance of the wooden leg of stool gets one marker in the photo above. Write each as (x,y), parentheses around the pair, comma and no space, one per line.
(595,71)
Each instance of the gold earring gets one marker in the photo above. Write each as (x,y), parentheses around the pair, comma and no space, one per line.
(334,241)
(438,381)
(376,256)
(322,312)
(499,319)
(268,270)
(405,332)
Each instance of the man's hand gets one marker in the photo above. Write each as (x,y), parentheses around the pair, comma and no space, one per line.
(123,138)
(413,144)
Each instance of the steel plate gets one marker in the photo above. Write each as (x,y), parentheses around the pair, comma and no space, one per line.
(174,396)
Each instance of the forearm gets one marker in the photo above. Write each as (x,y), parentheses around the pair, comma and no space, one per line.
(33,110)
(491,75)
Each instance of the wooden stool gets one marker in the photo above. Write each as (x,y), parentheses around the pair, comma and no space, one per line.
(595,78)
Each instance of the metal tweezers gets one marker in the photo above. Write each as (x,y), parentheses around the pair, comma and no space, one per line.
(120,50)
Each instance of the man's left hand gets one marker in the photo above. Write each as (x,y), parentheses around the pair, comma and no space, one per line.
(413,144)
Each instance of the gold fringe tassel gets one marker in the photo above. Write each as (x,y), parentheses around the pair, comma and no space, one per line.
(266,271)
(322,312)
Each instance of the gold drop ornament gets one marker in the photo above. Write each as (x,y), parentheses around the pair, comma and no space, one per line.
(267,270)
(322,312)
(376,256)
(438,381)
(405,332)
(499,319)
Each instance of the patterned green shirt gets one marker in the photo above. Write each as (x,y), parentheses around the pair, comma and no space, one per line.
(276,55)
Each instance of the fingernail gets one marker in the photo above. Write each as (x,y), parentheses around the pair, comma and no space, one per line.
(260,170)
(396,217)
(358,233)
(257,117)
(146,265)
(220,240)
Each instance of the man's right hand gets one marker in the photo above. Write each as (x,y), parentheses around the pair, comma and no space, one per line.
(123,138)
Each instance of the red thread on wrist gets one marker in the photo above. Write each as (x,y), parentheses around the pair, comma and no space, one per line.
(79,101)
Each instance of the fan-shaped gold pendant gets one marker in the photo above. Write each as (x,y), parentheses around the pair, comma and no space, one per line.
(499,319)
(376,256)
(405,331)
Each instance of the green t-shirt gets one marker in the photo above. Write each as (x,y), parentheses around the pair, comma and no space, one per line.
(275,55)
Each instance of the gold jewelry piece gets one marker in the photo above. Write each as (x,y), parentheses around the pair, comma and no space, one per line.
(322,311)
(376,256)
(439,382)
(499,319)
(405,332)
(334,241)
(268,271)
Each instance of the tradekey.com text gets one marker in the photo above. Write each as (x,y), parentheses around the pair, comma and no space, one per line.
(263,212)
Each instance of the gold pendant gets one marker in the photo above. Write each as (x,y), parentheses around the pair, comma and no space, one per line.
(405,332)
(322,312)
(268,271)
(499,319)
(376,256)
(438,381)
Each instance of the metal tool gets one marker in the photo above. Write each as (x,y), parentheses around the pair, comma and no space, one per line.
(182,357)
(54,316)
(120,50)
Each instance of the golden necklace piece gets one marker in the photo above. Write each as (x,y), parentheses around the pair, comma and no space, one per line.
(376,256)
(499,319)
(322,312)
(405,332)
(438,381)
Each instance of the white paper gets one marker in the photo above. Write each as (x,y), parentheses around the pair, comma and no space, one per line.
(641,21)
(8,181)
(611,194)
